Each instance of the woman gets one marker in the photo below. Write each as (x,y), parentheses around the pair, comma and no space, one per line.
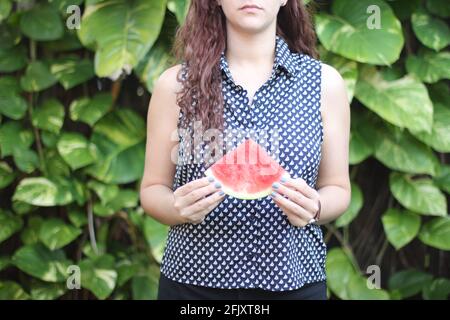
(246,66)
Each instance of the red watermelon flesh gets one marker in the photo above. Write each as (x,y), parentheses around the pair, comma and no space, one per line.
(247,172)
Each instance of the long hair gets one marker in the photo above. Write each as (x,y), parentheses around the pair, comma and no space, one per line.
(199,43)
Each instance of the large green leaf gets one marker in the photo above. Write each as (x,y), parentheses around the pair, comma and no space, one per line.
(9,224)
(49,116)
(353,210)
(42,263)
(120,139)
(125,198)
(432,32)
(145,286)
(436,233)
(408,283)
(30,235)
(123,31)
(12,105)
(440,8)
(179,8)
(37,77)
(403,102)
(10,290)
(347,31)
(359,290)
(12,59)
(55,233)
(418,194)
(71,71)
(340,271)
(438,289)
(5,9)
(76,150)
(91,110)
(443,178)
(98,275)
(156,236)
(429,66)
(401,226)
(40,290)
(360,147)
(40,191)
(439,138)
(42,23)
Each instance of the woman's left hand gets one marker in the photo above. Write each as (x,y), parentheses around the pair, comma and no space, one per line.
(302,203)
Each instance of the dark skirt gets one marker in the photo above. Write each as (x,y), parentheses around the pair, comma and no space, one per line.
(173,290)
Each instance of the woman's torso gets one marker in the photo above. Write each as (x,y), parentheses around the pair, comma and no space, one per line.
(250,243)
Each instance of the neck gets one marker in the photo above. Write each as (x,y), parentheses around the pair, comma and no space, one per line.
(249,49)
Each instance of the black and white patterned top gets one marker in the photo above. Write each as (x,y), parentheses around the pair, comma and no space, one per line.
(250,243)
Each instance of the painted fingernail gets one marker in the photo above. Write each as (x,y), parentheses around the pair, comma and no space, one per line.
(275,185)
(221,193)
(217,185)
(283,179)
(273,194)
(210,178)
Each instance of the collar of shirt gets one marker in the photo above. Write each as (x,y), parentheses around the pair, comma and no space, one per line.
(283,58)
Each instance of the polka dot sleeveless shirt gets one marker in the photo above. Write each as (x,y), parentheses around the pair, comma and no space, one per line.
(250,243)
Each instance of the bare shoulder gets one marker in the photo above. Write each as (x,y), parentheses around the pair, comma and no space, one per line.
(168,81)
(334,91)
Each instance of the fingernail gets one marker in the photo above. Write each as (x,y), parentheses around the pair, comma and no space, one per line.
(275,185)
(221,193)
(283,179)
(210,178)
(273,194)
(217,185)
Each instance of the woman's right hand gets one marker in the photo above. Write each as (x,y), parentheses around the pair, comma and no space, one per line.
(194,200)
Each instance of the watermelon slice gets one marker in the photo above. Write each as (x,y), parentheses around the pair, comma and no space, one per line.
(247,172)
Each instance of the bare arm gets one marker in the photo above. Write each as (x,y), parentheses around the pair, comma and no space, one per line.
(333,182)
(190,202)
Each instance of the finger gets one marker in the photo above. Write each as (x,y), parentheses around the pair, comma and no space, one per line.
(203,204)
(200,193)
(296,196)
(302,186)
(190,186)
(288,205)
(199,217)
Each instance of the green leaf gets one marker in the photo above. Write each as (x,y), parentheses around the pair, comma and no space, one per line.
(55,234)
(340,270)
(408,283)
(30,235)
(49,116)
(438,289)
(105,192)
(120,139)
(439,138)
(10,290)
(400,226)
(40,191)
(71,71)
(37,77)
(26,160)
(126,269)
(122,31)
(10,224)
(436,233)
(418,195)
(98,275)
(42,263)
(12,59)
(76,150)
(442,180)
(123,199)
(46,291)
(432,32)
(354,208)
(359,290)
(13,136)
(429,66)
(56,166)
(179,8)
(7,175)
(91,110)
(12,105)
(144,287)
(360,148)
(440,8)
(350,31)
(42,23)
(77,217)
(156,235)
(403,102)
(4,262)
(5,9)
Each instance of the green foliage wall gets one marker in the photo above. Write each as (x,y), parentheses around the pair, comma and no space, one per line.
(73,103)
